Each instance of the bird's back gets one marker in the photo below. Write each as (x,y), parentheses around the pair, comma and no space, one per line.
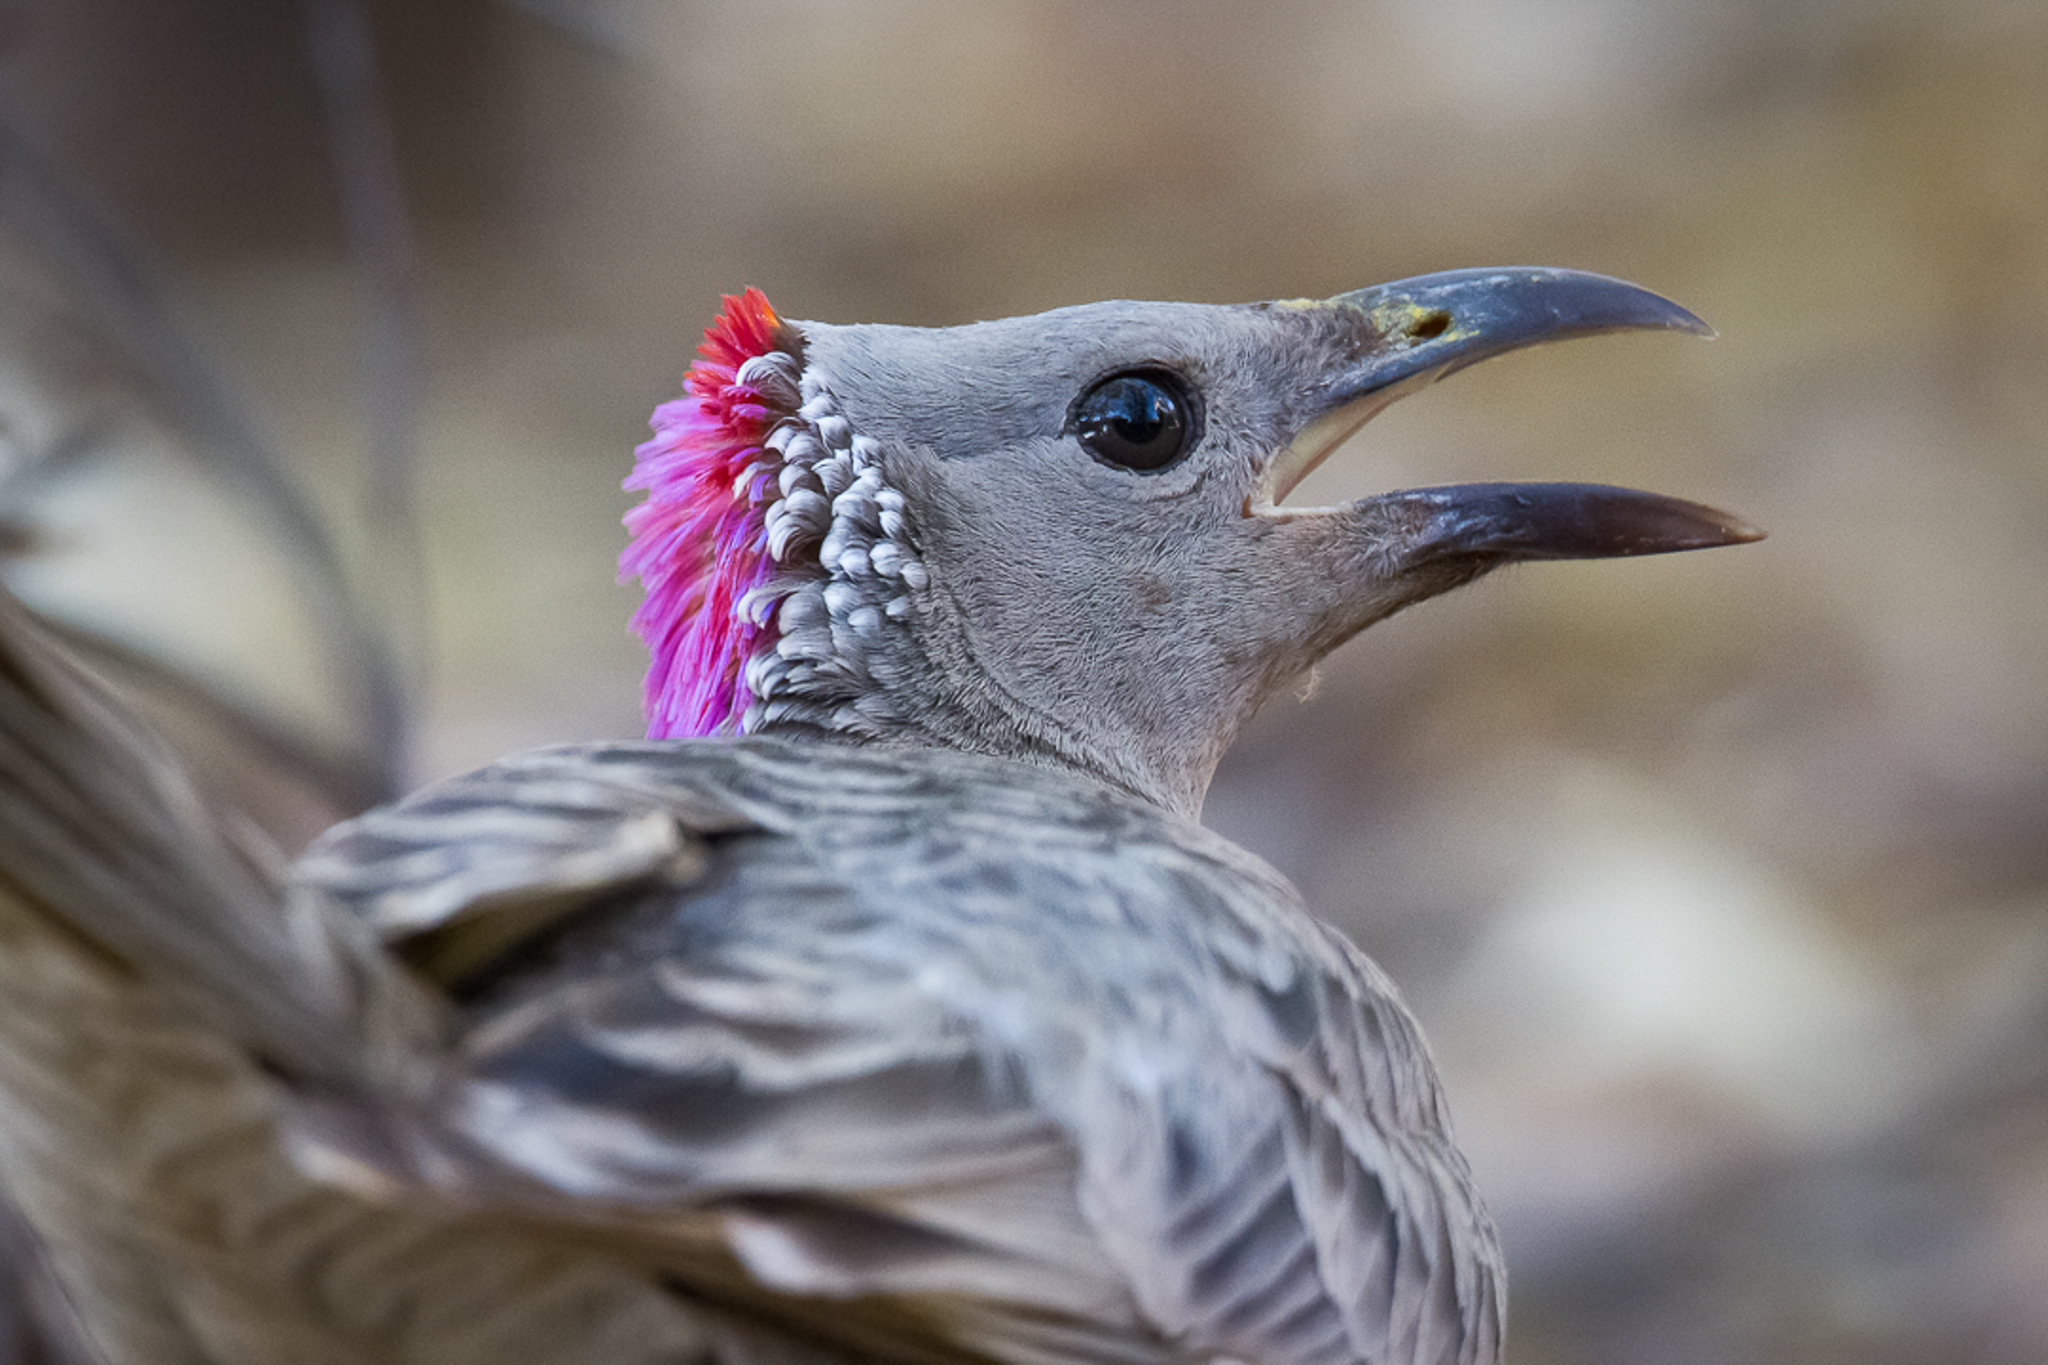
(934,1029)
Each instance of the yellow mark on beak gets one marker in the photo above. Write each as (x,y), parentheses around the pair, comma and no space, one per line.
(1405,323)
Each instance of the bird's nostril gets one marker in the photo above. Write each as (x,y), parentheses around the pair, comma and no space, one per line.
(1430,325)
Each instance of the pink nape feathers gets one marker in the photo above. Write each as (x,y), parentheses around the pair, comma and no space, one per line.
(700,542)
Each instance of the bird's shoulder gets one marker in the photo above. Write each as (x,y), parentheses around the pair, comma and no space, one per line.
(933,836)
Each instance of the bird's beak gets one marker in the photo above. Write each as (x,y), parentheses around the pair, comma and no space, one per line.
(1413,332)
(1485,524)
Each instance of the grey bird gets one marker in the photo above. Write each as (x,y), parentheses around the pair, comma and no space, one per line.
(889,1003)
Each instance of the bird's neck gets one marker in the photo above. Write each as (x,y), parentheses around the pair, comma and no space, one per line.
(977,716)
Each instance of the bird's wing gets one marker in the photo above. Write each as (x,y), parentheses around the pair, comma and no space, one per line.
(1385,1198)
(1060,1079)
(656,1039)
(1263,1149)
(1261,1140)
(1297,1197)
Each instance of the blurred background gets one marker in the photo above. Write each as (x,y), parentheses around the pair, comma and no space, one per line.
(1720,881)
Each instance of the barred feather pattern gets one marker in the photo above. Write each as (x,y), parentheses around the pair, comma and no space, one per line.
(945,1040)
(835,629)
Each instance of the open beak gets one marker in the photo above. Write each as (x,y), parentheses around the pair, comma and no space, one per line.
(1498,523)
(1413,332)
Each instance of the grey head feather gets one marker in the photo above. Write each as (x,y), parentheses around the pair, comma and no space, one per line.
(999,589)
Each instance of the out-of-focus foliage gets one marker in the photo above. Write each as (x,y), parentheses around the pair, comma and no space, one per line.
(1721,881)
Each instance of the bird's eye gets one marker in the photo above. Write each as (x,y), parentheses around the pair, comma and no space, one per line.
(1140,420)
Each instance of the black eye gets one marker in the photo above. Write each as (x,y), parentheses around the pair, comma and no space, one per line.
(1136,421)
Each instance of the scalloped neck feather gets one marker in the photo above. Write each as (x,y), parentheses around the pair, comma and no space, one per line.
(699,541)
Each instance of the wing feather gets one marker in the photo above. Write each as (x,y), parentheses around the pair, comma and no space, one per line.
(1047,1068)
(657,1034)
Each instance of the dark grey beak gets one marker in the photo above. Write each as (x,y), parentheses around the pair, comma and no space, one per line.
(1488,524)
(1434,325)
(1416,331)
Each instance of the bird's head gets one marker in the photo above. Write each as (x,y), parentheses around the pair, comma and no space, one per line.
(1059,537)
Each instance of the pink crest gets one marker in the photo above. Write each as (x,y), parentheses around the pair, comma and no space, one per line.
(699,543)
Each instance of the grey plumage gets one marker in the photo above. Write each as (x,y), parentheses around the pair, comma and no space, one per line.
(1121,1048)
(925,1025)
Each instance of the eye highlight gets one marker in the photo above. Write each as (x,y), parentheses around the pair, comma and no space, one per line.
(1141,420)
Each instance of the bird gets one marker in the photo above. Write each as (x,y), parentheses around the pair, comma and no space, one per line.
(888,1001)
